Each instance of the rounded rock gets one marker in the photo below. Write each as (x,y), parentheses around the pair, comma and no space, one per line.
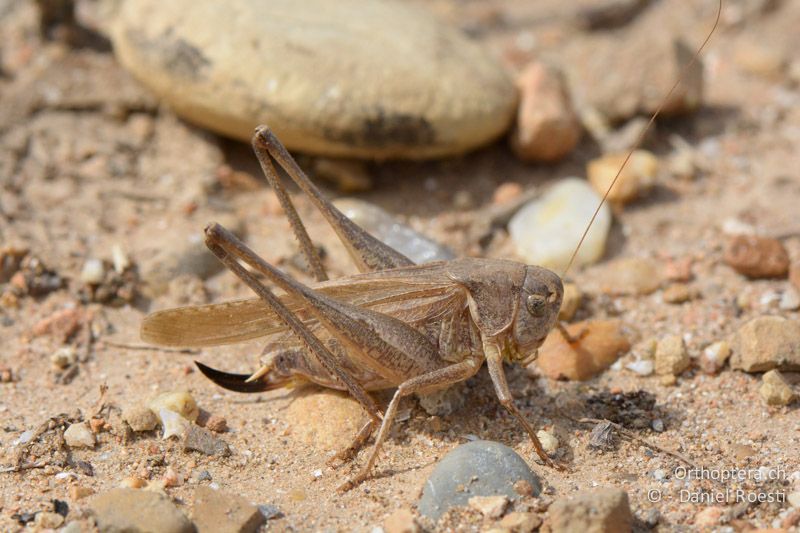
(138,510)
(757,257)
(332,432)
(79,436)
(478,468)
(775,390)
(631,276)
(671,357)
(635,179)
(325,81)
(140,418)
(546,230)
(766,342)
(601,509)
(599,344)
(547,126)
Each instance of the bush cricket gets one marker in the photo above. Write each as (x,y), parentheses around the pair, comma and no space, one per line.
(414,328)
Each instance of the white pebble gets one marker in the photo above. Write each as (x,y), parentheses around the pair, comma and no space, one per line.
(548,440)
(119,259)
(180,402)
(64,357)
(659,474)
(790,300)
(546,231)
(173,423)
(79,436)
(24,437)
(93,272)
(643,367)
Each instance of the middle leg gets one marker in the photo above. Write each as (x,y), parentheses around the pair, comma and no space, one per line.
(432,380)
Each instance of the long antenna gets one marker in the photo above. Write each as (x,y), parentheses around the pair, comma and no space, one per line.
(640,138)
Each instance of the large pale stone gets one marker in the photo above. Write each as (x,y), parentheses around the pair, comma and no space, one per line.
(374,79)
(547,230)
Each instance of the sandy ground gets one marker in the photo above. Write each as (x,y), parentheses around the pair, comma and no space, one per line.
(89,161)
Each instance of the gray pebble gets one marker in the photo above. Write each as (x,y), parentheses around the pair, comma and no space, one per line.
(202,440)
(478,468)
(385,227)
(270,511)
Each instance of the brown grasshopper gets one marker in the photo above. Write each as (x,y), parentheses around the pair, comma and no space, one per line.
(416,328)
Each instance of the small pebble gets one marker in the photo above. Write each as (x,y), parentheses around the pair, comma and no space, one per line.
(598,509)
(477,468)
(215,510)
(775,390)
(133,483)
(506,192)
(643,367)
(217,424)
(790,300)
(174,425)
(657,425)
(269,511)
(48,520)
(570,302)
(202,440)
(766,342)
(668,380)
(77,492)
(714,357)
(64,358)
(548,440)
(119,259)
(489,506)
(93,272)
(140,418)
(677,293)
(546,230)
(523,487)
(172,478)
(671,356)
(520,522)
(659,475)
(632,276)
(401,521)
(757,257)
(636,179)
(180,402)
(547,127)
(600,343)
(79,435)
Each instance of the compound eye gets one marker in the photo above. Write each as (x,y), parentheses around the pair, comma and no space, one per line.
(536,304)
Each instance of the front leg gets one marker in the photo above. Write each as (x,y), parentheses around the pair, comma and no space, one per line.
(494,362)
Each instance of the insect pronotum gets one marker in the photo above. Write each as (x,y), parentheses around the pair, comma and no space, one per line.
(415,328)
